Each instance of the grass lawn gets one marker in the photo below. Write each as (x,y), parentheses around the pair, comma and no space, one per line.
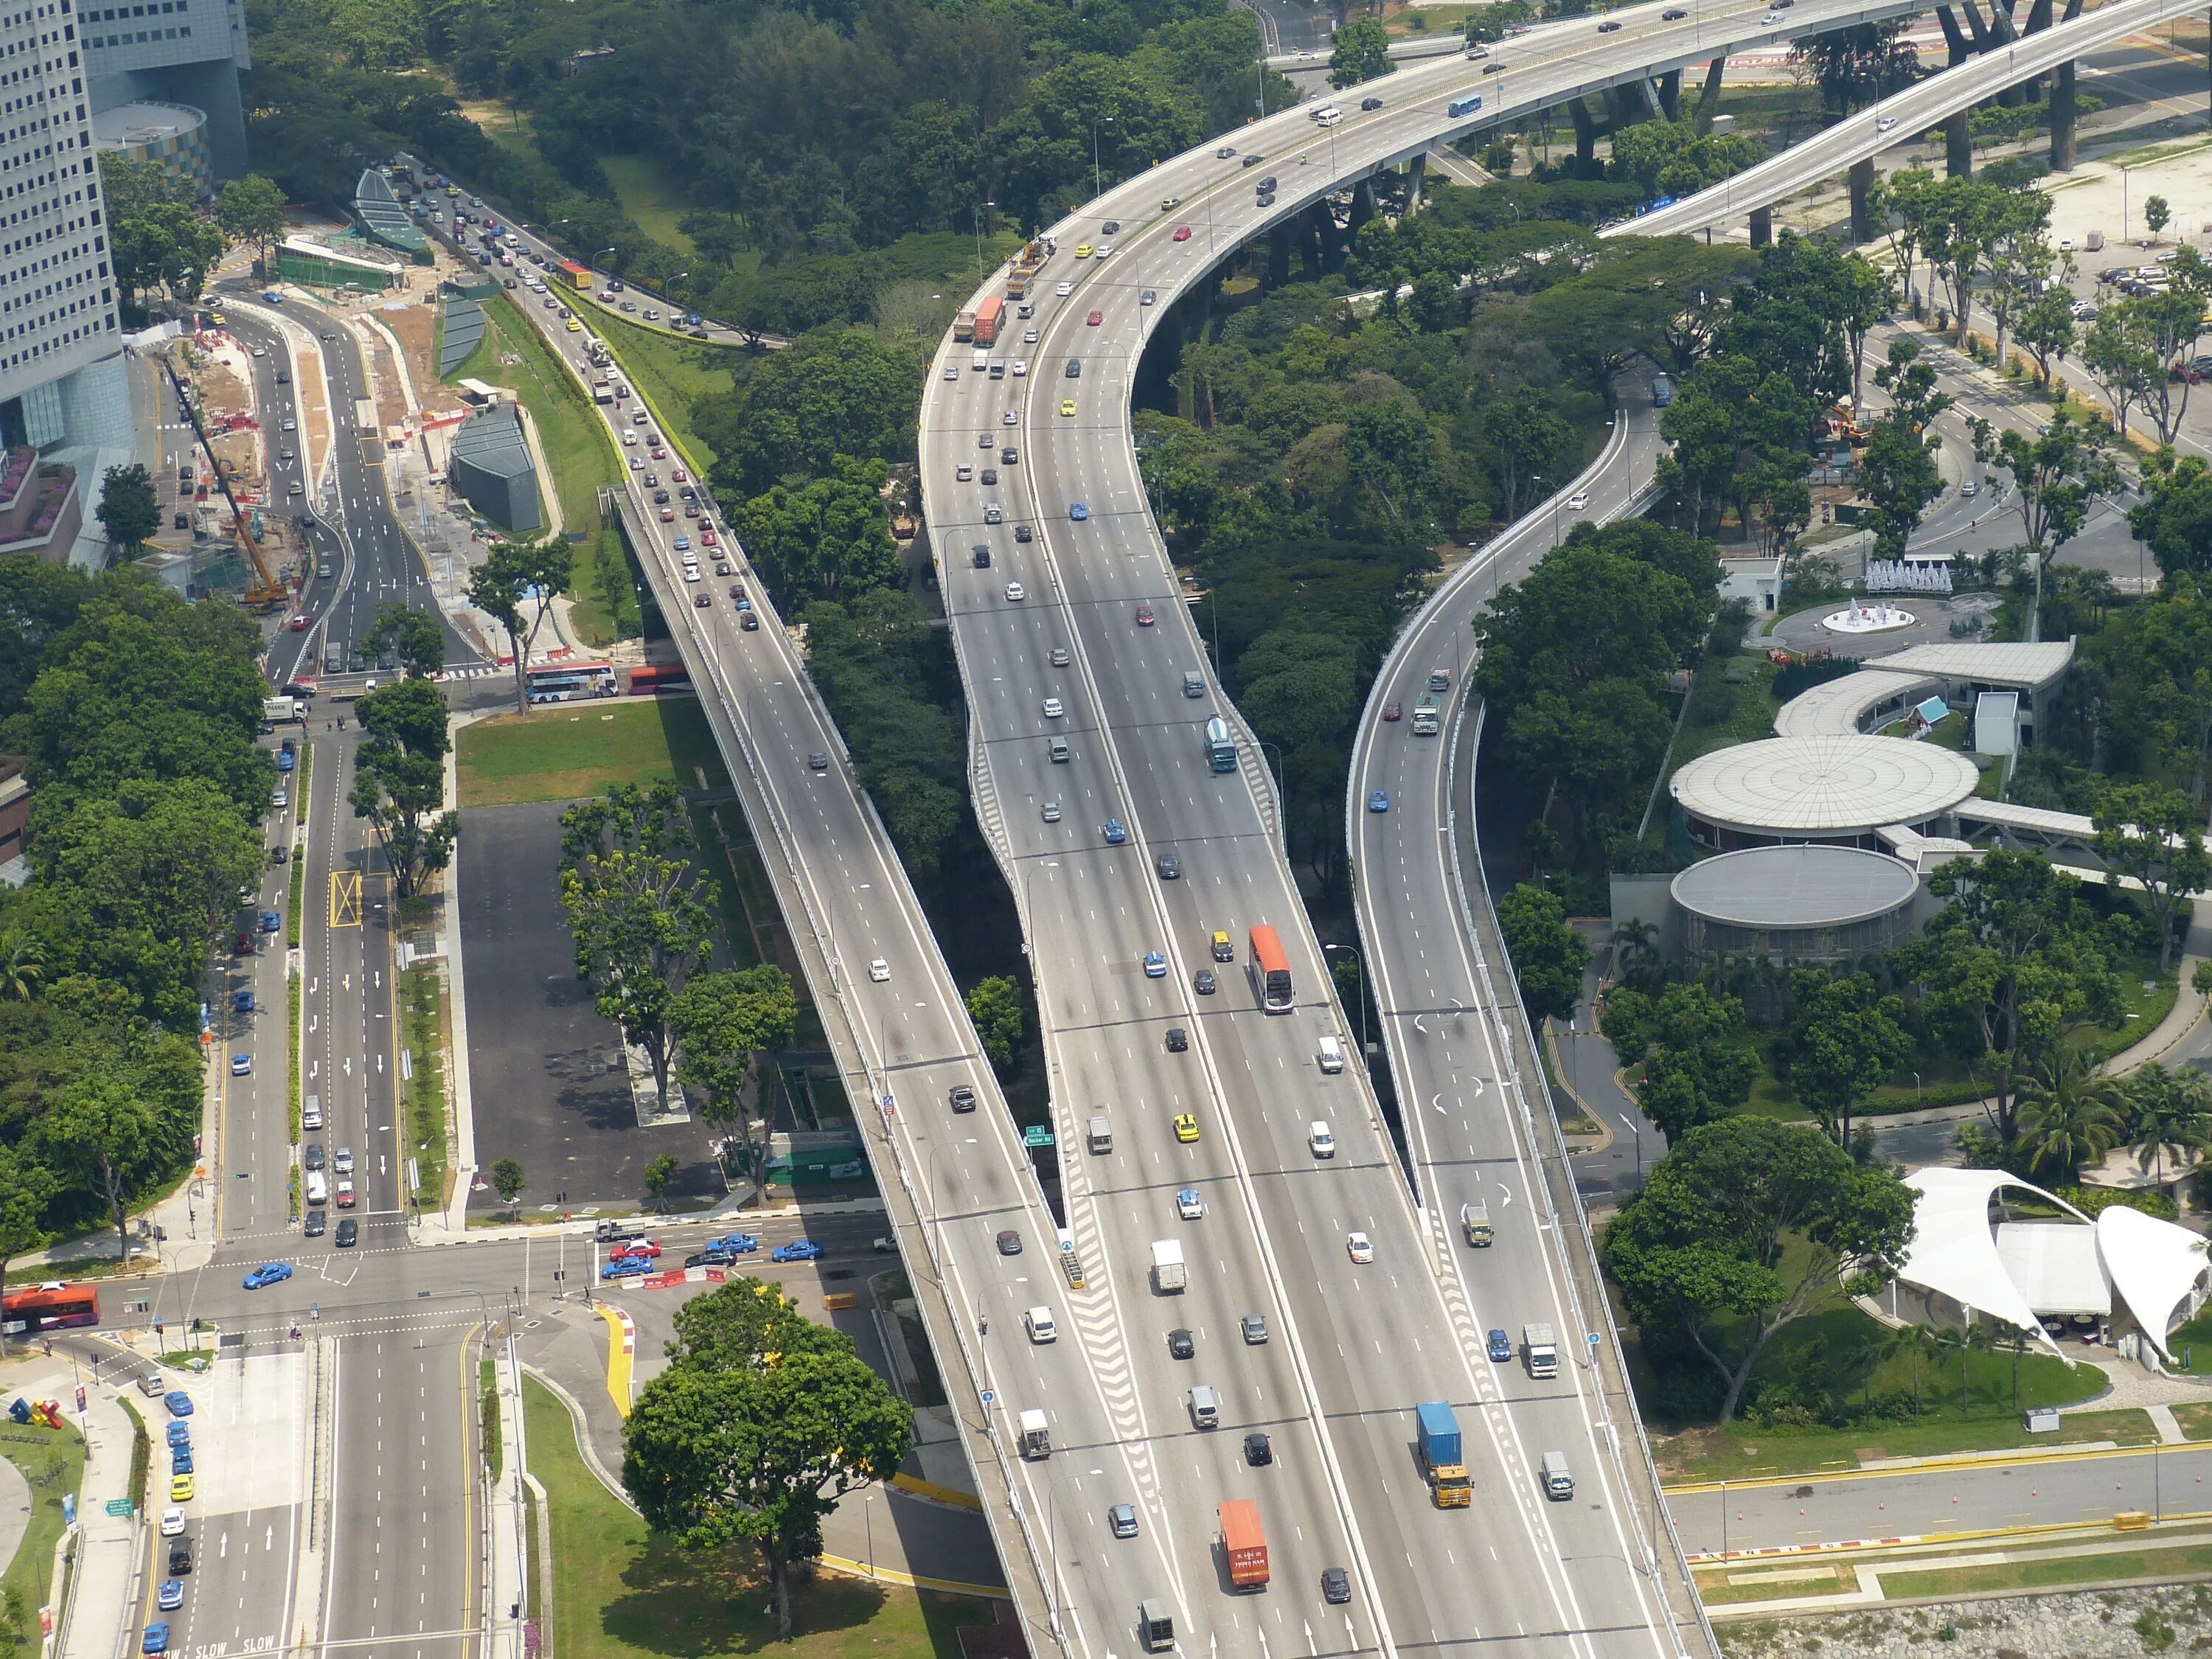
(650,197)
(2056,1569)
(582,458)
(52,1460)
(1741,1451)
(671,371)
(564,751)
(2196,1420)
(1722,1585)
(422,1019)
(626,1594)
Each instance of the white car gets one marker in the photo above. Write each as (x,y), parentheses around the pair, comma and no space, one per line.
(1105,249)
(172,1523)
(1361,1248)
(1052,811)
(1065,289)
(1188,1205)
(1053,708)
(1889,121)
(1579,501)
(1021,367)
(880,971)
(1016,592)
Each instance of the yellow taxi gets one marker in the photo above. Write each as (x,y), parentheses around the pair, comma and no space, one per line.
(575,327)
(1067,405)
(180,1489)
(1083,250)
(1186,1127)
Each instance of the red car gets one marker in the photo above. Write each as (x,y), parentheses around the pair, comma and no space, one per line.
(1144,616)
(644,1247)
(706,538)
(345,1193)
(1095,317)
(299,624)
(1182,233)
(678,474)
(1394,711)
(701,600)
(668,515)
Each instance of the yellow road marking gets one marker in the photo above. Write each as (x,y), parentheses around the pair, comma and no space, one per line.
(345,898)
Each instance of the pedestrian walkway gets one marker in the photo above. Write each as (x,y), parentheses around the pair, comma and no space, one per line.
(104,1585)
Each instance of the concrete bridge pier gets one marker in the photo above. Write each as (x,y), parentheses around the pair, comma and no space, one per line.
(1670,93)
(1762,226)
(1279,255)
(2062,119)
(1861,181)
(1958,148)
(1417,172)
(1708,96)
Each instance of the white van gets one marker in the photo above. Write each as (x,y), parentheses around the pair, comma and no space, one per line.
(1331,1055)
(1205,1407)
(1558,1480)
(1038,1322)
(319,1188)
(980,361)
(1327,115)
(311,1114)
(1319,1140)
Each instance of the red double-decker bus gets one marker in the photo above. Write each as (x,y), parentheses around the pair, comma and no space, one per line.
(48,1307)
(1270,970)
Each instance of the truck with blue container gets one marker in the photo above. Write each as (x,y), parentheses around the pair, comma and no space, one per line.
(1220,745)
(1443,1461)
(1466,106)
(1663,392)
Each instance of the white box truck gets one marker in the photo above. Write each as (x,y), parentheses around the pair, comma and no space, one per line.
(1168,1273)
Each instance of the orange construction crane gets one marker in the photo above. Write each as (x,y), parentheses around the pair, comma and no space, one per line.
(265,592)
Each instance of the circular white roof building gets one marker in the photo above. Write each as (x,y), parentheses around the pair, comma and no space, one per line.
(1803,902)
(1831,788)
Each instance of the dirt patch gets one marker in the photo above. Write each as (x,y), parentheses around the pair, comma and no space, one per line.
(416,328)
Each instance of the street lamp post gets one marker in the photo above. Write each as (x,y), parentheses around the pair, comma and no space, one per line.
(1354,954)
(595,264)
(1103,121)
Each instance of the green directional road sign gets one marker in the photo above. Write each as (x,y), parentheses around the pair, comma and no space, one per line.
(119,1506)
(1036,1135)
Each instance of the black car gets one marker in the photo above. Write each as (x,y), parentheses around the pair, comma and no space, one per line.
(962,1097)
(1180,1346)
(1609,26)
(1171,866)
(1009,456)
(313,1158)
(990,475)
(711,1259)
(317,1224)
(1021,532)
(349,1234)
(1335,1586)
(1202,981)
(1112,227)
(817,762)
(1010,1242)
(1492,68)
(1075,368)
(1673,15)
(1178,1039)
(1254,160)
(1267,183)
(1257,1450)
(1224,152)
(750,621)
(981,555)
(1370,103)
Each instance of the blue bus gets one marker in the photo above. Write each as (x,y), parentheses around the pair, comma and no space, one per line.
(1220,746)
(1466,105)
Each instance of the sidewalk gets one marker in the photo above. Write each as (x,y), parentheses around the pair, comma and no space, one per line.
(104,1590)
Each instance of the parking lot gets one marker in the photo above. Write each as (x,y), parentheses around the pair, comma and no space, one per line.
(546,1076)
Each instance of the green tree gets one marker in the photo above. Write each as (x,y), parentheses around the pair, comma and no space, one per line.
(26,1187)
(2164,685)
(251,209)
(641,916)
(722,1022)
(2156,217)
(1548,957)
(2169,1108)
(22,964)
(129,510)
(2012,958)
(1746,1226)
(507,1180)
(1360,51)
(656,1175)
(1000,1014)
(838,390)
(400,780)
(729,1447)
(1846,1040)
(515,574)
(2155,836)
(157,236)
(108,1133)
(2055,476)
(415,634)
(2069,1115)
(1527,437)
(2175,516)
(2044,328)
(1695,1048)
(1899,475)
(828,538)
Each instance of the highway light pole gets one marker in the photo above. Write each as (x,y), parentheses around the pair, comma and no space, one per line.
(1353,953)
(1104,120)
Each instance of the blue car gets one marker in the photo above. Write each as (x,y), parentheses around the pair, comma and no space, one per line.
(271,1272)
(1078,511)
(286,761)
(178,1403)
(1155,965)
(172,1596)
(180,1434)
(1379,801)
(271,922)
(735,1243)
(1116,832)
(156,1640)
(627,1266)
(799,1250)
(241,1064)
(1501,1347)
(242,1003)
(180,1460)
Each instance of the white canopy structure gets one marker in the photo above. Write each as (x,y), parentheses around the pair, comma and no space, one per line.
(2022,1271)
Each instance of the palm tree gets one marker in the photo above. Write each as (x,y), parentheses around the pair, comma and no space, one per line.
(1971,1339)
(1635,954)
(22,965)
(2069,1114)
(2171,1109)
(1922,1342)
